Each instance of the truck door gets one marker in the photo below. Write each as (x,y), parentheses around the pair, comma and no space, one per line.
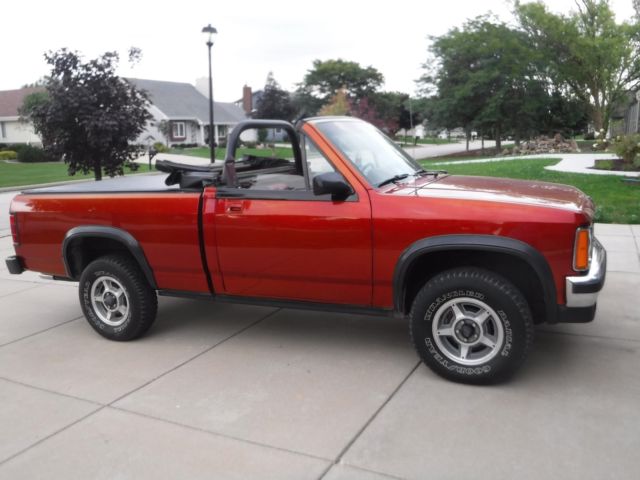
(276,239)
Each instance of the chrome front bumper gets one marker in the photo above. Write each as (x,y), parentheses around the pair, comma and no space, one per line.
(583,291)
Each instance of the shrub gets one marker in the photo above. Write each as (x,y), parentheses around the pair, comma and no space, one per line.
(132,166)
(185,145)
(627,147)
(8,155)
(14,147)
(160,147)
(590,136)
(31,154)
(249,144)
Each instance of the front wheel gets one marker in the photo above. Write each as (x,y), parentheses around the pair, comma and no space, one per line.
(471,325)
(116,298)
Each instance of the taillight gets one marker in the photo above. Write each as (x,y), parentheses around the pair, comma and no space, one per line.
(582,249)
(13,220)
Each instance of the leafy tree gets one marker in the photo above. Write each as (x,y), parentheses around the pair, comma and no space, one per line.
(33,101)
(339,104)
(90,116)
(366,110)
(597,58)
(275,102)
(486,77)
(326,77)
(164,127)
(386,110)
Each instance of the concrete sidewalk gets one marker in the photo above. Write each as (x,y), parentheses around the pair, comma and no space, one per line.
(222,391)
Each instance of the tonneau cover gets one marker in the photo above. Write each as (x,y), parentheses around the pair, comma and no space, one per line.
(152,182)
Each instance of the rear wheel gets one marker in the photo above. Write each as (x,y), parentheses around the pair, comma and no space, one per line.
(471,325)
(116,298)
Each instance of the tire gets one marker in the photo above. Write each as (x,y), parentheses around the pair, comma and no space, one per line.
(471,325)
(116,298)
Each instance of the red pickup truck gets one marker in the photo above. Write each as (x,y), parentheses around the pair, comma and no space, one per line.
(350,223)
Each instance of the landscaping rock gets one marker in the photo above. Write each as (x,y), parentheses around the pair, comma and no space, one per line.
(544,144)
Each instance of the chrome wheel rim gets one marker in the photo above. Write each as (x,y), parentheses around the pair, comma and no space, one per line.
(110,301)
(467,331)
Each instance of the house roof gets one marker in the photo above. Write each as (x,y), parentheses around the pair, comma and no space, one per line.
(11,100)
(182,100)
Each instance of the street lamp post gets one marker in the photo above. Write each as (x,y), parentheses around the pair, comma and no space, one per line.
(211,33)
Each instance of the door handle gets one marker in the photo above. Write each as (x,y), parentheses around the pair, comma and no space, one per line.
(234,208)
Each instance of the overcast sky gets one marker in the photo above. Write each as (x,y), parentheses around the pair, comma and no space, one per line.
(255,36)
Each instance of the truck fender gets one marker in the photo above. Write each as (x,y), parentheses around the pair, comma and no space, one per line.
(480,243)
(117,234)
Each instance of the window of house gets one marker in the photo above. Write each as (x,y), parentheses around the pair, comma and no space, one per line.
(3,132)
(222,131)
(178,130)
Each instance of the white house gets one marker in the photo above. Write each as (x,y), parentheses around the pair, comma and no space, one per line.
(187,111)
(12,130)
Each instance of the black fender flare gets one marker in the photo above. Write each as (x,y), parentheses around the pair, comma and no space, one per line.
(113,233)
(480,243)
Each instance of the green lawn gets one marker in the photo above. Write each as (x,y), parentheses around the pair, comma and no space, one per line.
(203,152)
(616,201)
(17,174)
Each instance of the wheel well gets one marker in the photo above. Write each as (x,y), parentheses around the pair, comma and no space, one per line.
(514,269)
(81,251)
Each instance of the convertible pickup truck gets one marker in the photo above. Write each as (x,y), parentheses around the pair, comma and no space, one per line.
(350,223)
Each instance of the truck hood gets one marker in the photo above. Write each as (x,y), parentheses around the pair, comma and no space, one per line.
(505,190)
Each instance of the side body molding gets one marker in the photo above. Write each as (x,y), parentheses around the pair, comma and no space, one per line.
(112,233)
(479,243)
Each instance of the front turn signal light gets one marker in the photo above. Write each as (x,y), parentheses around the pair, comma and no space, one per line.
(582,249)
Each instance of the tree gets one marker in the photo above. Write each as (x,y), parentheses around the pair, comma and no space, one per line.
(587,51)
(90,116)
(388,111)
(164,127)
(275,102)
(326,77)
(486,78)
(339,105)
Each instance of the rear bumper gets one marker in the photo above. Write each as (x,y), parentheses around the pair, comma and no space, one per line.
(582,291)
(14,265)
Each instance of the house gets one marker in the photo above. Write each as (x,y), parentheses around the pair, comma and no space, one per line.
(12,130)
(417,131)
(625,120)
(187,111)
(180,104)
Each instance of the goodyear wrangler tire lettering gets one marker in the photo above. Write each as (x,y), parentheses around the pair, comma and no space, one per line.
(471,325)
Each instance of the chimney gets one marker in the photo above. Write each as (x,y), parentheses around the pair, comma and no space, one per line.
(247,100)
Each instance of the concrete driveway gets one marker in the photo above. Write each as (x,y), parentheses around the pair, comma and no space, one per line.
(221,391)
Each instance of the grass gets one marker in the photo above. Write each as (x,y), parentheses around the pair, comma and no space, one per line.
(203,152)
(616,201)
(18,174)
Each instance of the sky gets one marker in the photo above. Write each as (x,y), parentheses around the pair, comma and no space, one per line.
(254,36)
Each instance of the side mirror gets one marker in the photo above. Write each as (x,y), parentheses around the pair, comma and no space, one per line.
(332,183)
